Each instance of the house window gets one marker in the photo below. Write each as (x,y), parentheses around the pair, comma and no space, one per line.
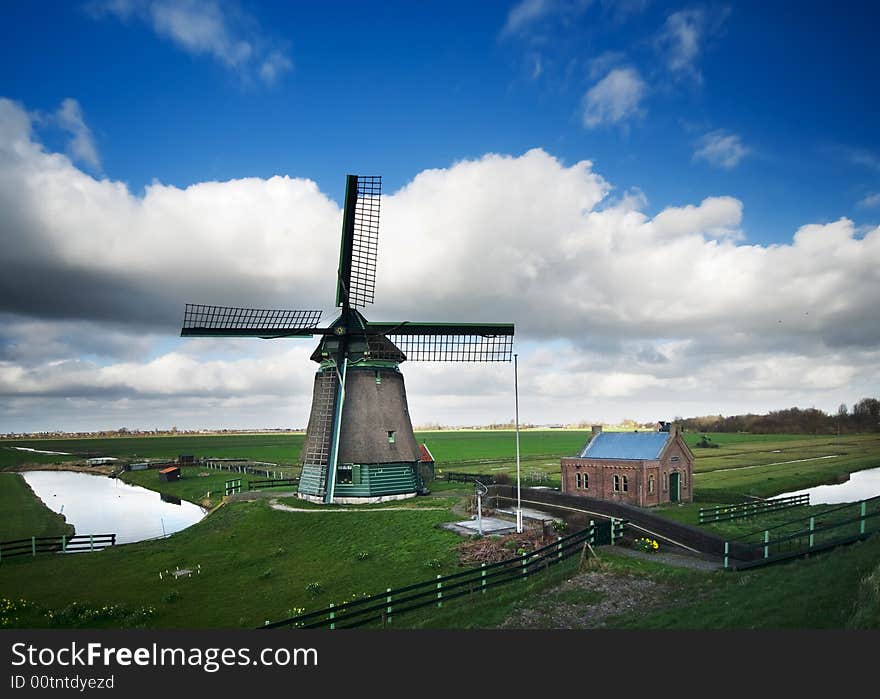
(675,459)
(665,481)
(651,484)
(343,473)
(586,480)
(578,480)
(625,484)
(391,437)
(616,484)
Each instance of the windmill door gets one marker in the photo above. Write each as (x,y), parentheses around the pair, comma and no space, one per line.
(674,486)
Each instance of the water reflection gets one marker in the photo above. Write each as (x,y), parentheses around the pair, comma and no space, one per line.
(860,486)
(100,505)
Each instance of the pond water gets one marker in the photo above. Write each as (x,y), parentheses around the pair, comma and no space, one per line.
(101,505)
(860,486)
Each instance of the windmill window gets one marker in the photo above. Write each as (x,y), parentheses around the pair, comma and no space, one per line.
(392,437)
(343,474)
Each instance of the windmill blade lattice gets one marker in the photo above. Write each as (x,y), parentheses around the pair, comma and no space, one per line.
(440,342)
(365,243)
(199,320)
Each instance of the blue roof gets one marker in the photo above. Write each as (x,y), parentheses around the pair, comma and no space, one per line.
(640,446)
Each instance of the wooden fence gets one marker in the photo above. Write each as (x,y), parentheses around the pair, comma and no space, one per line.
(742,510)
(382,607)
(820,531)
(272,483)
(56,544)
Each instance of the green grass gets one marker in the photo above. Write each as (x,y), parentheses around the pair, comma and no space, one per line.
(191,485)
(256,565)
(23,514)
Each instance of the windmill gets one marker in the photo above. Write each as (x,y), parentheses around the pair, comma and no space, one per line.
(359,444)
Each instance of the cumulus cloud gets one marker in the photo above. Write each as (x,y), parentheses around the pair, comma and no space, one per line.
(82,145)
(721,149)
(618,312)
(205,27)
(615,98)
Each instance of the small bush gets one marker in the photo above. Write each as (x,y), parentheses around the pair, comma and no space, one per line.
(646,544)
(363,555)
(559,525)
(315,588)
(433,563)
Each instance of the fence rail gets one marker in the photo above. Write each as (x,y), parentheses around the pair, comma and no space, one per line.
(817,532)
(742,510)
(272,483)
(383,606)
(56,544)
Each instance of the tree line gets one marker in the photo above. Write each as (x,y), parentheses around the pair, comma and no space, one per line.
(864,416)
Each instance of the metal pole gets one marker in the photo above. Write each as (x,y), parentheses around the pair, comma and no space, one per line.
(519,524)
(337,427)
(480,512)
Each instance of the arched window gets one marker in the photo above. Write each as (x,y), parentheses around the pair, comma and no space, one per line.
(616,484)
(665,481)
(651,484)
(578,477)
(586,480)
(625,484)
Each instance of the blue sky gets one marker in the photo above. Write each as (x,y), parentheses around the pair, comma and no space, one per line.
(725,127)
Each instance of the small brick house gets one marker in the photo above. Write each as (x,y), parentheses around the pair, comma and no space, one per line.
(638,468)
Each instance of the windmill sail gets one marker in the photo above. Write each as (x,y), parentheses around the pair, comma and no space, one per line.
(449,342)
(360,241)
(227,321)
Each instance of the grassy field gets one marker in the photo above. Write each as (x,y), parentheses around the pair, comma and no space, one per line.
(23,514)
(256,564)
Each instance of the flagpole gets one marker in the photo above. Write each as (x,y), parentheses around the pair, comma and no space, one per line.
(519,523)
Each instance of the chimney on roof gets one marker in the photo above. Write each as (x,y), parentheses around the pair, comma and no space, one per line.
(596,429)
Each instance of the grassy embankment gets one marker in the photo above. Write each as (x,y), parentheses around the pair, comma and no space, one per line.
(23,514)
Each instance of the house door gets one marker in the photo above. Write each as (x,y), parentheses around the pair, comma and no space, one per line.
(674,486)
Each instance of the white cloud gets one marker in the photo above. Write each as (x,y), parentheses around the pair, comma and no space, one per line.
(82,145)
(615,98)
(619,313)
(205,27)
(721,149)
(527,15)
(870,201)
(682,38)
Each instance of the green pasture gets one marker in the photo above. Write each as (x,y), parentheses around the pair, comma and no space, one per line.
(256,564)
(23,514)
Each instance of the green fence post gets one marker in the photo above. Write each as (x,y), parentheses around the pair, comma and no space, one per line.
(388,608)
(439,593)
(766,543)
(33,546)
(812,530)
(523,564)
(332,617)
(592,533)
(612,531)
(483,578)
(726,553)
(558,548)
(862,522)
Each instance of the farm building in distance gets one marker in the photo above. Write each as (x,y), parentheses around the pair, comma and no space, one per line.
(639,468)
(172,473)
